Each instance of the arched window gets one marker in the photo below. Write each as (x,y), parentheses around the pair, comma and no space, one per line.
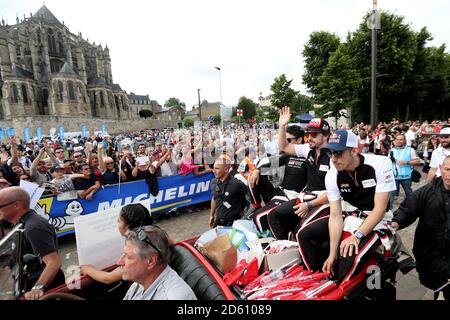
(24,94)
(60,91)
(15,94)
(71,90)
(51,41)
(102,99)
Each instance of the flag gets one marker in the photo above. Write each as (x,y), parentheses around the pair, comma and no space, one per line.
(83,131)
(11,132)
(39,134)
(1,135)
(104,129)
(26,134)
(61,132)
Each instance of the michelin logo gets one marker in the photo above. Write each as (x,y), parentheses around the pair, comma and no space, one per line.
(163,195)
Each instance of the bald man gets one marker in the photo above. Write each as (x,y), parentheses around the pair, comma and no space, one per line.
(228,195)
(39,239)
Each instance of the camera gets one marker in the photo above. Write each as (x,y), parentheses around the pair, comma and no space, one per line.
(391,156)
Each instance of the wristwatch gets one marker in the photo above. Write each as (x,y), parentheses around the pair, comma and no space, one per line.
(38,287)
(358,234)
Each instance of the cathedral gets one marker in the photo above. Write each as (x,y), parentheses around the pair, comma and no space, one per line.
(47,70)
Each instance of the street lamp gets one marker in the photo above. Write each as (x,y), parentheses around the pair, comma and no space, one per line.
(374,25)
(220,87)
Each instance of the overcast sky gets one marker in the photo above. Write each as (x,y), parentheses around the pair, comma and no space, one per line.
(169,48)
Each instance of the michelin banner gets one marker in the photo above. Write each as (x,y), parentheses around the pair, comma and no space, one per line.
(174,192)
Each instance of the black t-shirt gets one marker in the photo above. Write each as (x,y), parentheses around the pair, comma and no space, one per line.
(230,200)
(143,175)
(316,167)
(40,240)
(294,173)
(110,177)
(83,184)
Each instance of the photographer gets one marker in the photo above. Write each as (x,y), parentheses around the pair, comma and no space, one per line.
(403,158)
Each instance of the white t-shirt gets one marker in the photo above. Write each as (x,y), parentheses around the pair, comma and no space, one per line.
(271,147)
(377,172)
(437,157)
(410,136)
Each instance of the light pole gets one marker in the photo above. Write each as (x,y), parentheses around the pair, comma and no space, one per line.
(220,87)
(199,106)
(374,24)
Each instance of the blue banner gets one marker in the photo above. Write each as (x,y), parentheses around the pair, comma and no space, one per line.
(174,192)
(26,134)
(39,134)
(61,132)
(1,135)
(11,132)
(104,129)
(83,131)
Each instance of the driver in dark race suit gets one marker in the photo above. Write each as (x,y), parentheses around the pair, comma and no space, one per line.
(358,189)
(312,201)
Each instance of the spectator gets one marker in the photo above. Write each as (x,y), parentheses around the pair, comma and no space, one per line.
(145,261)
(110,172)
(439,154)
(429,204)
(85,185)
(432,144)
(39,239)
(62,182)
(131,217)
(17,155)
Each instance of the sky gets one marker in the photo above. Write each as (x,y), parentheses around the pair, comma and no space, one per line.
(170,48)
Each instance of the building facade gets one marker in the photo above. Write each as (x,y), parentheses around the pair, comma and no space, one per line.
(45,70)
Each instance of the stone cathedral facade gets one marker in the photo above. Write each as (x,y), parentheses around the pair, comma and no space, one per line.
(45,70)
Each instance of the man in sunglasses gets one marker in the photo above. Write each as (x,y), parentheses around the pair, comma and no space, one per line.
(145,260)
(312,202)
(439,155)
(39,240)
(294,180)
(358,188)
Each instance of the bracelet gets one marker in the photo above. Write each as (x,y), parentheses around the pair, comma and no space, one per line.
(309,204)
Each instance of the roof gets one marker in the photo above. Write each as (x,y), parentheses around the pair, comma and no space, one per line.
(138,97)
(20,73)
(97,81)
(46,14)
(167,109)
(67,69)
(116,87)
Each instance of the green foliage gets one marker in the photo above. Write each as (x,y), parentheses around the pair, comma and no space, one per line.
(217,120)
(282,93)
(144,113)
(316,52)
(248,108)
(412,78)
(338,85)
(174,102)
(188,122)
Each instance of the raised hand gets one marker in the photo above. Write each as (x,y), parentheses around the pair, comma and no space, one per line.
(285,116)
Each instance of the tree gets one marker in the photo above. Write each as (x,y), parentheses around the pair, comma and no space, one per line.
(188,122)
(248,107)
(284,95)
(317,51)
(338,85)
(144,113)
(217,120)
(174,102)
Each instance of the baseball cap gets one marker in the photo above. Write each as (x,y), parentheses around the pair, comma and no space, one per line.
(318,125)
(342,139)
(445,131)
(57,167)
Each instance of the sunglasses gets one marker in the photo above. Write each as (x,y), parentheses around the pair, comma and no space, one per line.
(337,154)
(109,163)
(5,205)
(77,156)
(142,236)
(86,169)
(312,134)
(289,140)
(444,136)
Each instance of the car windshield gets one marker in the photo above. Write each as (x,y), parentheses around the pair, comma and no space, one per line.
(8,265)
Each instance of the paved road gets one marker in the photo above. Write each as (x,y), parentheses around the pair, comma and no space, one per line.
(188,225)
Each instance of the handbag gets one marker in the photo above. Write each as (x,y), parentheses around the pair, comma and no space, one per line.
(415,176)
